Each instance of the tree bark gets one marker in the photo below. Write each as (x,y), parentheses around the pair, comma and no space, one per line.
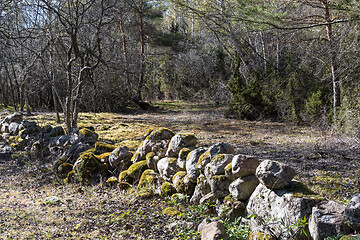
(142,52)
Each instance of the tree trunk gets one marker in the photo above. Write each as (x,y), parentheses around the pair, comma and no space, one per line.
(125,54)
(142,52)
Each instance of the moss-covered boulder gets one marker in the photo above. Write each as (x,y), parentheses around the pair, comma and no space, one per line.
(136,169)
(166,189)
(182,156)
(148,179)
(191,161)
(124,177)
(101,147)
(219,185)
(256,235)
(180,141)
(217,165)
(170,211)
(104,158)
(124,185)
(152,160)
(202,188)
(182,183)
(219,148)
(64,169)
(112,181)
(167,167)
(159,134)
(85,167)
(88,136)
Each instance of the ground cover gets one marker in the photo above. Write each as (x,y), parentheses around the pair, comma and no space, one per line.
(325,161)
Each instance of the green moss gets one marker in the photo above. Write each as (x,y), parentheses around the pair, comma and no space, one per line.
(179,198)
(230,199)
(228,167)
(145,194)
(219,178)
(170,211)
(180,174)
(86,132)
(101,147)
(299,190)
(136,157)
(166,189)
(160,134)
(172,160)
(219,157)
(64,169)
(259,236)
(184,152)
(103,157)
(147,133)
(350,237)
(84,167)
(91,150)
(148,179)
(124,176)
(203,160)
(112,181)
(70,177)
(150,156)
(136,169)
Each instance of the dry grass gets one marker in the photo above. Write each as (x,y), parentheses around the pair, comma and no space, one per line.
(327,163)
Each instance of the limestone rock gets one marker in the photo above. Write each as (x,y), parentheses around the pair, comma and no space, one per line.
(14,128)
(182,183)
(181,161)
(327,220)
(217,165)
(219,148)
(202,188)
(219,185)
(191,162)
(87,136)
(274,175)
(207,198)
(243,165)
(213,231)
(242,188)
(180,141)
(120,158)
(276,211)
(352,213)
(167,168)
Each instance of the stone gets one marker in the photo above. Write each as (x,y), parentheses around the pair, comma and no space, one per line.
(201,189)
(219,148)
(62,140)
(327,220)
(52,200)
(167,168)
(15,117)
(5,128)
(242,188)
(219,185)
(352,213)
(148,179)
(160,134)
(120,158)
(213,231)
(73,153)
(243,165)
(88,136)
(236,208)
(57,131)
(179,141)
(181,161)
(180,225)
(14,128)
(277,211)
(217,165)
(274,175)
(191,162)
(85,166)
(182,183)
(207,198)
(136,169)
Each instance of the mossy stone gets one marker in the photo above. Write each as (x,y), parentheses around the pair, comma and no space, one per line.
(349,237)
(160,134)
(101,147)
(145,194)
(84,166)
(124,177)
(179,198)
(260,236)
(184,152)
(70,177)
(166,189)
(86,132)
(204,159)
(112,181)
(147,133)
(170,211)
(124,185)
(299,190)
(136,169)
(64,169)
(104,157)
(148,179)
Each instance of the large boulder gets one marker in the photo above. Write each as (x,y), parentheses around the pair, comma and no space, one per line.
(180,141)
(277,212)
(202,188)
(87,135)
(352,213)
(120,158)
(85,166)
(167,168)
(274,175)
(217,165)
(219,185)
(181,162)
(14,128)
(182,183)
(73,153)
(242,188)
(219,148)
(327,220)
(191,162)
(15,117)
(213,231)
(243,165)
(57,131)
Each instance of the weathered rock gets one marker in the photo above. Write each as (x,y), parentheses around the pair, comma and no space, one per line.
(15,117)
(202,188)
(276,211)
(182,183)
(180,141)
(167,168)
(352,213)
(57,131)
(243,165)
(207,198)
(274,175)
(85,166)
(136,169)
(120,158)
(160,134)
(191,162)
(14,128)
(213,231)
(242,188)
(235,208)
(181,162)
(255,235)
(183,225)
(152,160)
(219,185)
(219,148)
(101,147)
(148,179)
(217,165)
(75,150)
(4,128)
(166,189)
(88,136)
(327,220)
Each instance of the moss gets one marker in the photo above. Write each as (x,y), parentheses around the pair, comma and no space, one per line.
(160,134)
(166,189)
(112,181)
(184,152)
(147,133)
(124,185)
(136,169)
(170,211)
(180,174)
(219,157)
(70,177)
(203,160)
(179,198)
(136,157)
(148,179)
(259,236)
(84,166)
(349,237)
(124,176)
(299,190)
(172,160)
(145,194)
(219,178)
(101,147)
(228,167)
(150,156)
(104,157)
(91,150)
(86,132)
(230,199)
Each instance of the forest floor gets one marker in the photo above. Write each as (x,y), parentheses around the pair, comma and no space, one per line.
(328,163)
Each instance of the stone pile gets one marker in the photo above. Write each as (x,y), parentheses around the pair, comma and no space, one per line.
(166,163)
